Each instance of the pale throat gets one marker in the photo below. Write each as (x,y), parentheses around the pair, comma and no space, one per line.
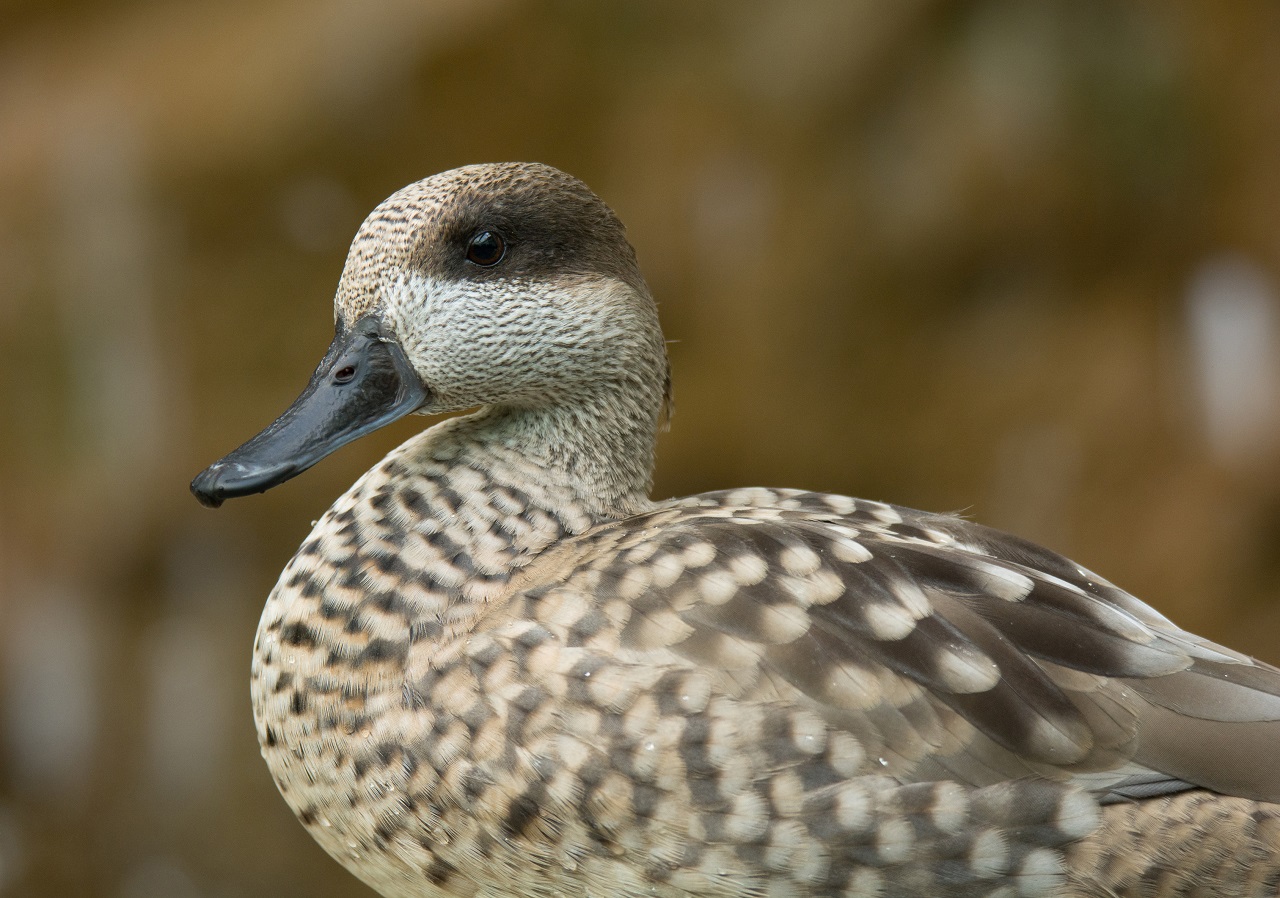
(597,441)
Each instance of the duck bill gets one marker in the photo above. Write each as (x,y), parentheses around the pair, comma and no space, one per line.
(364,382)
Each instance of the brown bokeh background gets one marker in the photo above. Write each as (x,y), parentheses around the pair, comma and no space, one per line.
(1016,259)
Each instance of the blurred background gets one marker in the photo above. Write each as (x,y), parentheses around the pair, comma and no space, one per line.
(1019,259)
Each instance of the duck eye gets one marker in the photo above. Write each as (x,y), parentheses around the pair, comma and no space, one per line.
(344,374)
(486,249)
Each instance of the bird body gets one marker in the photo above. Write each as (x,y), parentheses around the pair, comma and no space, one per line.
(497,668)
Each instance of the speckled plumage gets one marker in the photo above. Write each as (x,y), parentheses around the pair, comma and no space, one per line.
(497,668)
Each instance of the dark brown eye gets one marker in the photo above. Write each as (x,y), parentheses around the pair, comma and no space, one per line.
(486,248)
(344,374)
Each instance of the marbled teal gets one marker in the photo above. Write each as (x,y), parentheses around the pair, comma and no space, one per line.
(496,667)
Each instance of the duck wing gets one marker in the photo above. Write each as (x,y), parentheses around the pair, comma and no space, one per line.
(860,693)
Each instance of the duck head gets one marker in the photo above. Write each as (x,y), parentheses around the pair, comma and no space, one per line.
(509,285)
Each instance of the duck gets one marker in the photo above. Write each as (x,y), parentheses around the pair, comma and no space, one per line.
(496,667)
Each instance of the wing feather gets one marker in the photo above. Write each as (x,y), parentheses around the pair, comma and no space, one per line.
(894,622)
(859,696)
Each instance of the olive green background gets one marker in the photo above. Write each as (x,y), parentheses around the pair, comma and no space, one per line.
(1018,259)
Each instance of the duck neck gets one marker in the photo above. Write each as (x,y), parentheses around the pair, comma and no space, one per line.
(459,509)
(597,452)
